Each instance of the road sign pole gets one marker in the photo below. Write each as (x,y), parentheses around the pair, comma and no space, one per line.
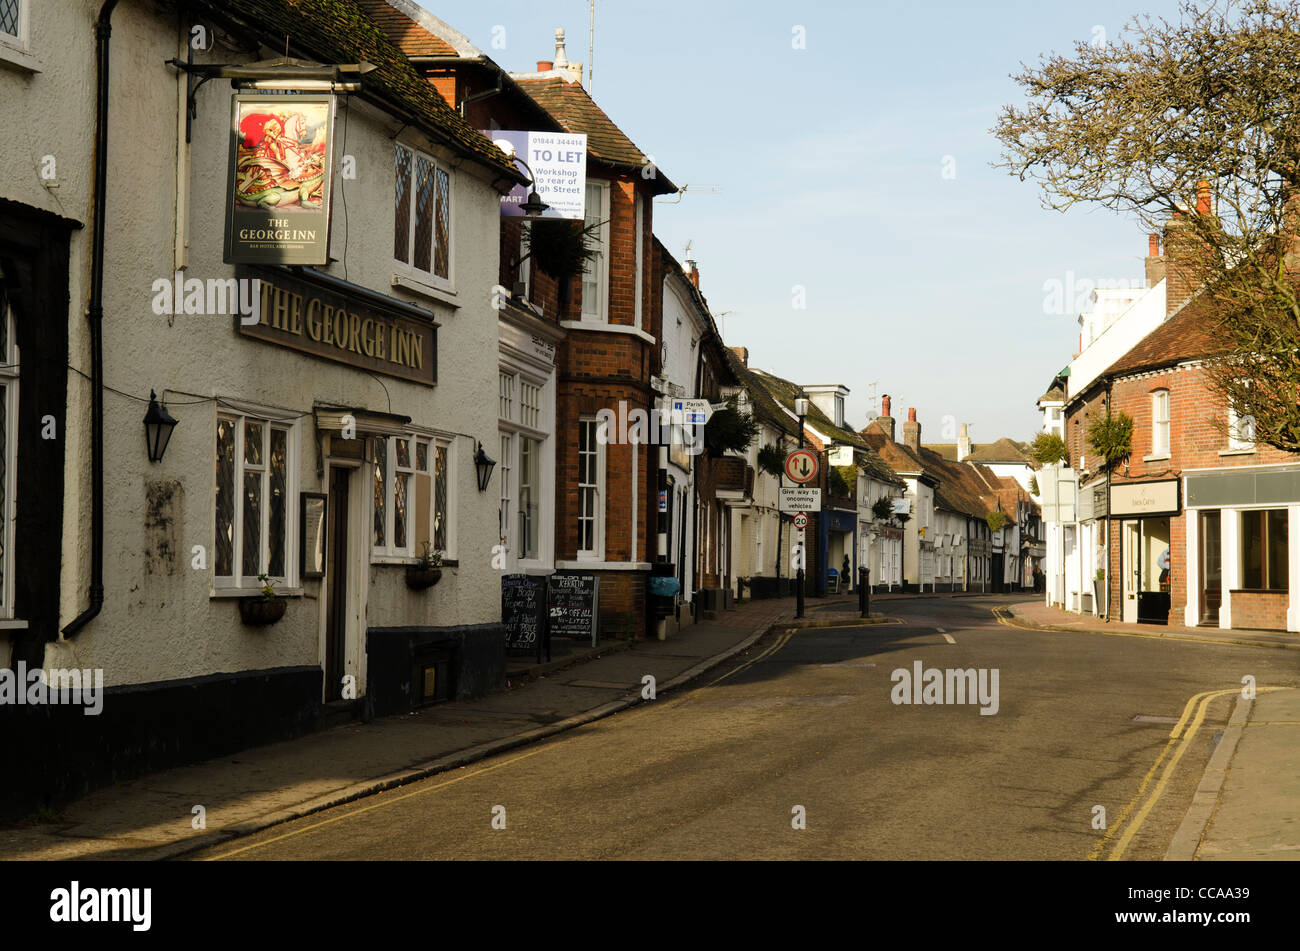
(798,593)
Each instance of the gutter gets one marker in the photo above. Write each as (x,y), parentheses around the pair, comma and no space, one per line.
(95,314)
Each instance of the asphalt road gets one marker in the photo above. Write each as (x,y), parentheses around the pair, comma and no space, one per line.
(804,724)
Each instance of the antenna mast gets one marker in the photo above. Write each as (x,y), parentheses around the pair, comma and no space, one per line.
(591,48)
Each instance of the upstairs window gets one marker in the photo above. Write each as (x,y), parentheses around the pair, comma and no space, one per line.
(1241,431)
(421,217)
(1160,423)
(595,277)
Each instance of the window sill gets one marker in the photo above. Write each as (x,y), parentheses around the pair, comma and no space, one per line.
(18,59)
(1156,457)
(253,593)
(432,291)
(604,327)
(1237,452)
(13,624)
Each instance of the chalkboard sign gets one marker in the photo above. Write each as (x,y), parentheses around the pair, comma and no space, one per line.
(575,606)
(523,612)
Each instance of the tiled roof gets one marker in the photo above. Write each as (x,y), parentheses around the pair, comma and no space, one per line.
(1188,335)
(569,103)
(783,393)
(1054,395)
(1004,450)
(765,407)
(339,31)
(411,38)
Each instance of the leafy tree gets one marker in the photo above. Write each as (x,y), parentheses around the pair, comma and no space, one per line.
(1048,448)
(771,460)
(1111,437)
(1193,128)
(730,430)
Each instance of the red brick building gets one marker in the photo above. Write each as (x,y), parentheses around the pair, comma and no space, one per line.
(1202,520)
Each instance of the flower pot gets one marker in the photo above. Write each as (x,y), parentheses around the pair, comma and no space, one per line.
(418,578)
(258,612)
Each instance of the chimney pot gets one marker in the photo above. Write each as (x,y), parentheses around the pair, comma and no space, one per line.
(1153,246)
(884,405)
(911,414)
(1203,197)
(545,66)
(912,432)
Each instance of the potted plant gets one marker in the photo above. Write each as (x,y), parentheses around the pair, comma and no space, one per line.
(265,609)
(426,572)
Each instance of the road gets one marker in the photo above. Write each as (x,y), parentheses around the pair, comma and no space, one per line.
(803,726)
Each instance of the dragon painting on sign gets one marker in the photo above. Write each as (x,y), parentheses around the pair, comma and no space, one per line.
(281,156)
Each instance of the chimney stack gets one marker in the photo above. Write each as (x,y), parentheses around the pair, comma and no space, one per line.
(886,421)
(694,274)
(1204,205)
(742,354)
(912,432)
(1155,263)
(963,442)
(545,66)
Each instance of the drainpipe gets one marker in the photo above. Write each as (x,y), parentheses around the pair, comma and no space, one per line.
(1108,598)
(103,33)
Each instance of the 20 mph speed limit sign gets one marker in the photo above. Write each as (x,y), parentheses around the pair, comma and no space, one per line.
(801,521)
(801,466)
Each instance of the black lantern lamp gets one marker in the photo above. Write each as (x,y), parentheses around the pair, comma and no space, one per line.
(534,206)
(158,426)
(483,464)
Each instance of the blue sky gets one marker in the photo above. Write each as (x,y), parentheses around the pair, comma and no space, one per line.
(830,162)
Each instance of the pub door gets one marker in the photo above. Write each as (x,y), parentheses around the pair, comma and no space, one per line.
(337,583)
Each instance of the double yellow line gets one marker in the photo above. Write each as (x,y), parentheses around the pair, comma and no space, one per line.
(776,646)
(1180,738)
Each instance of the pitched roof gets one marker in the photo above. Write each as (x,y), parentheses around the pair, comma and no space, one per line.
(339,31)
(569,103)
(766,408)
(1003,451)
(1187,335)
(783,394)
(411,37)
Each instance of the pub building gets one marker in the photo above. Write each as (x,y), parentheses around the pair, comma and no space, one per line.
(292,336)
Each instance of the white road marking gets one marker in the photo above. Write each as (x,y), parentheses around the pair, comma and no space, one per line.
(948,637)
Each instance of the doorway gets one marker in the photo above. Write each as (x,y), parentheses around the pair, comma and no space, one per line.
(1210,547)
(1145,566)
(337,584)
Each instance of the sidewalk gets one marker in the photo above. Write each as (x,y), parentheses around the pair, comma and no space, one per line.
(1248,805)
(1036,614)
(151,817)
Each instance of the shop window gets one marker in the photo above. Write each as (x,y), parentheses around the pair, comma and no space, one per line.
(8,456)
(1264,550)
(256,522)
(422,217)
(409,497)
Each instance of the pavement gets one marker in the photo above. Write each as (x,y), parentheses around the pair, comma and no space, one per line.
(1245,806)
(179,810)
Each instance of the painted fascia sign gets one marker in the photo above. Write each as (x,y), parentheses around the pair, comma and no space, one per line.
(559,164)
(280,179)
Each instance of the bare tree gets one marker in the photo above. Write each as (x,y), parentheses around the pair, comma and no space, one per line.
(1194,129)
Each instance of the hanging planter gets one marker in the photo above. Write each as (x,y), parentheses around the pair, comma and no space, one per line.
(265,609)
(259,612)
(417,578)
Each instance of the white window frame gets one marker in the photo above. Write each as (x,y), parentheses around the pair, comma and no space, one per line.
(237,581)
(22,40)
(598,515)
(514,428)
(389,553)
(598,240)
(1236,441)
(1160,426)
(406,268)
(9,372)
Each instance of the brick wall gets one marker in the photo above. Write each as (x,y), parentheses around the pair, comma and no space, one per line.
(1259,610)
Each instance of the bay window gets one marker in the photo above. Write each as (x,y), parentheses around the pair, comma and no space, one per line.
(595,275)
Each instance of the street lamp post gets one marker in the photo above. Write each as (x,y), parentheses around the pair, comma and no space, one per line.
(800,410)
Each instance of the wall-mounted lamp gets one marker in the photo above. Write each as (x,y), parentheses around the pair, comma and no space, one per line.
(158,426)
(483,464)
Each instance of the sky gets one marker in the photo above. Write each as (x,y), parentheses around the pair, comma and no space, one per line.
(838,155)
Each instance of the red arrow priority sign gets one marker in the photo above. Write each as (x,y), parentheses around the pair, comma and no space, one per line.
(801,466)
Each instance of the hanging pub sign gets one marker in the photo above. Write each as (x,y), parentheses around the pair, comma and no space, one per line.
(559,164)
(279,181)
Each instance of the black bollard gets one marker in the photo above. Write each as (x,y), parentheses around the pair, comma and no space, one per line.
(864,592)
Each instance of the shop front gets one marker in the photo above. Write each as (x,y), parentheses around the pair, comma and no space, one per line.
(1143,512)
(1242,527)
